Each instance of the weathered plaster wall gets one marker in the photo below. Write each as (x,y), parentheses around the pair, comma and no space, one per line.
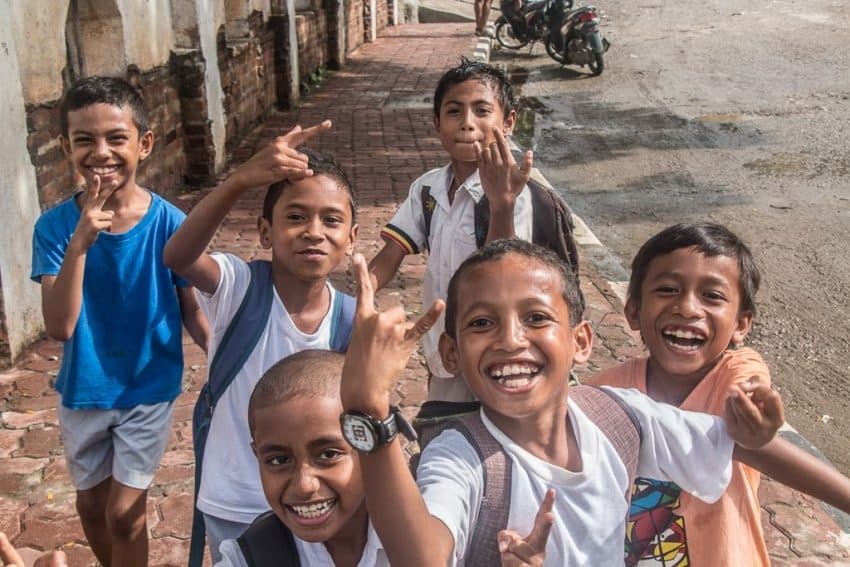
(20,319)
(210,14)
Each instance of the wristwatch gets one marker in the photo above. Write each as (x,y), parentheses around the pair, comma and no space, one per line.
(366,433)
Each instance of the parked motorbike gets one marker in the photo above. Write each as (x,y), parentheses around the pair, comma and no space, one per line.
(571,37)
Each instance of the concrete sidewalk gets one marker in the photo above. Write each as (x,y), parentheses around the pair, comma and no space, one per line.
(381,108)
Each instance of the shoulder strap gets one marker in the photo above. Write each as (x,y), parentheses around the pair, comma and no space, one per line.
(428,205)
(268,543)
(342,321)
(616,420)
(244,330)
(552,223)
(482,220)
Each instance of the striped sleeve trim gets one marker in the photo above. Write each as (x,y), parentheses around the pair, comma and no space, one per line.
(398,236)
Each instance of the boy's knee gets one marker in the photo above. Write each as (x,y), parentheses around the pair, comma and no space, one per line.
(91,503)
(126,517)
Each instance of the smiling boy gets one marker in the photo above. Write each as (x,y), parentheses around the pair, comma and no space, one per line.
(515,341)
(107,294)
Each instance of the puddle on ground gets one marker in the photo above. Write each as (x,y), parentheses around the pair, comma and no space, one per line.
(802,164)
(524,132)
(407,101)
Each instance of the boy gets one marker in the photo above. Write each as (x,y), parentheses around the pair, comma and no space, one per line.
(310,475)
(308,221)
(107,294)
(692,297)
(474,109)
(514,341)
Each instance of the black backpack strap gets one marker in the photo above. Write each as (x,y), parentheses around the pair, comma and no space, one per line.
(482,220)
(268,543)
(616,420)
(429,203)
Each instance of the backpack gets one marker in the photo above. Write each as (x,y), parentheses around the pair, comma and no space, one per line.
(552,221)
(268,543)
(611,415)
(236,346)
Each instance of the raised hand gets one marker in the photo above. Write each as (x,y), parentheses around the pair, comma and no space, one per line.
(381,344)
(531,550)
(280,159)
(10,556)
(501,178)
(93,219)
(753,413)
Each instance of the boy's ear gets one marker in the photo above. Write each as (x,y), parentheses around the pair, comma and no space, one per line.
(264,227)
(742,328)
(583,340)
(437,123)
(509,122)
(449,354)
(632,313)
(145,145)
(66,146)
(352,238)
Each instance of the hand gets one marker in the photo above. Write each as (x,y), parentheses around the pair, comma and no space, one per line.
(381,345)
(10,556)
(753,413)
(279,160)
(501,179)
(93,218)
(531,550)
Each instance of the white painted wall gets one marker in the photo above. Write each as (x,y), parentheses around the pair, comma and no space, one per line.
(148,34)
(211,16)
(22,298)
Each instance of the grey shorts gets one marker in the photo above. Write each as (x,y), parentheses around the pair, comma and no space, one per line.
(126,444)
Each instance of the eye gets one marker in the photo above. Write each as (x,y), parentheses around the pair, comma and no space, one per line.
(483,110)
(715,296)
(329,456)
(295,217)
(665,289)
(538,318)
(278,460)
(118,138)
(480,323)
(333,220)
(79,141)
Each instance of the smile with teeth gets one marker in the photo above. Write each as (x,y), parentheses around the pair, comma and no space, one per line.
(313,510)
(106,170)
(684,338)
(514,375)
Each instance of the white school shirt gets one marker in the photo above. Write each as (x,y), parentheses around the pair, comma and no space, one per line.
(311,554)
(450,242)
(230,479)
(691,449)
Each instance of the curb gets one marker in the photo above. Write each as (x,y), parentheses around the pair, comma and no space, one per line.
(616,277)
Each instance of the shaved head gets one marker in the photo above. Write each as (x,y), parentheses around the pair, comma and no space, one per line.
(309,373)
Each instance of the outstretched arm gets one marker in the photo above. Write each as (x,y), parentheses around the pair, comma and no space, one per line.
(185,252)
(502,180)
(62,295)
(802,471)
(385,265)
(381,345)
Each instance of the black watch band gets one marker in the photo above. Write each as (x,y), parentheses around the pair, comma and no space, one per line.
(366,433)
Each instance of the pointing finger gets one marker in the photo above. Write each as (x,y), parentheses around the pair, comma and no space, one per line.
(93,191)
(428,320)
(502,145)
(542,523)
(365,291)
(301,136)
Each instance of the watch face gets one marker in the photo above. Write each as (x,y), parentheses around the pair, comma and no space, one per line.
(358,431)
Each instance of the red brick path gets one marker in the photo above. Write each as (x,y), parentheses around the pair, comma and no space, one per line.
(381,108)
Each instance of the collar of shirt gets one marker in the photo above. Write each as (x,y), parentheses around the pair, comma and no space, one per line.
(440,190)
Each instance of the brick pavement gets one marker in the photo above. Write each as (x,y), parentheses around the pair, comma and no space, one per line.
(381,108)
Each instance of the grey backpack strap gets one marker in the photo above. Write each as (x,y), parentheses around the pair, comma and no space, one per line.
(616,420)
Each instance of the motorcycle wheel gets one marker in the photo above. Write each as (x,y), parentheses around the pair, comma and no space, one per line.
(554,53)
(505,36)
(597,65)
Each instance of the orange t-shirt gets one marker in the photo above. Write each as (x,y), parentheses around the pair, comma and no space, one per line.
(670,527)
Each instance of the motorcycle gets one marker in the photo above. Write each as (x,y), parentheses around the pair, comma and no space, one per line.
(571,37)
(578,41)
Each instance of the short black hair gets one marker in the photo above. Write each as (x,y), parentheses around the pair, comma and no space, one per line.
(312,373)
(321,164)
(467,70)
(106,90)
(497,249)
(709,239)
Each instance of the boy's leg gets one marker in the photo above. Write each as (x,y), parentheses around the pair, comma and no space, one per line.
(139,439)
(87,443)
(218,530)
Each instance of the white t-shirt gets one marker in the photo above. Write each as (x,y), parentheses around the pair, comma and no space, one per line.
(691,449)
(451,239)
(311,554)
(230,481)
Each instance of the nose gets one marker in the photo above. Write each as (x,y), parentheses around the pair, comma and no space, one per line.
(313,229)
(467,120)
(101,148)
(306,482)
(688,305)
(512,335)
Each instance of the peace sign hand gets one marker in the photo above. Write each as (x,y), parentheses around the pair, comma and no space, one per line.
(501,178)
(93,219)
(516,550)
(279,159)
(381,345)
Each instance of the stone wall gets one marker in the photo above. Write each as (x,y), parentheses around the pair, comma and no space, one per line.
(355,24)
(312,35)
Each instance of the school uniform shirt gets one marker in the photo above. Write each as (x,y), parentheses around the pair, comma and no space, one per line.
(230,478)
(127,347)
(692,449)
(450,241)
(665,520)
(311,554)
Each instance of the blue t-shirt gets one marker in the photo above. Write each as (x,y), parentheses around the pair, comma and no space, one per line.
(126,349)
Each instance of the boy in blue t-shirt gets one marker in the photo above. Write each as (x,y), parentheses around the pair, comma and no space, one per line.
(108,295)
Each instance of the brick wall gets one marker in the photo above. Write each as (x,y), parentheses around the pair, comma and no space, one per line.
(247,70)
(355,24)
(188,70)
(312,32)
(383,10)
